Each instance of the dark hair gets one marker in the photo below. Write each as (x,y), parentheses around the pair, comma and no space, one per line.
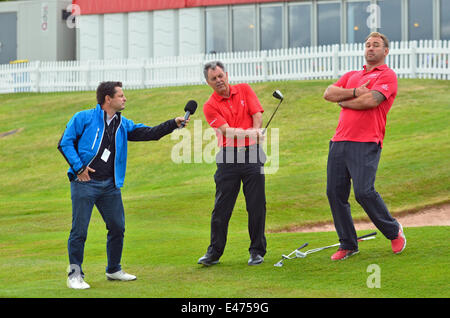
(212,65)
(106,88)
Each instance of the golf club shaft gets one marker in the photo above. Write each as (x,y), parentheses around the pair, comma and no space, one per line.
(366,235)
(321,248)
(304,245)
(362,237)
(267,125)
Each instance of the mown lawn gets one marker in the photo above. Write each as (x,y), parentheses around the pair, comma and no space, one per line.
(168,204)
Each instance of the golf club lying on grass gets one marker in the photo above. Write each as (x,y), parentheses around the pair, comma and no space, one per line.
(299,254)
(280,263)
(277,94)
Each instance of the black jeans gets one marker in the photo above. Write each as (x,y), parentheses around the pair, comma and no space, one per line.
(356,161)
(248,169)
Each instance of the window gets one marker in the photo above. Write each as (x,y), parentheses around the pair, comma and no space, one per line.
(271,18)
(445,19)
(357,29)
(244,29)
(420,20)
(217,30)
(299,25)
(328,23)
(390,22)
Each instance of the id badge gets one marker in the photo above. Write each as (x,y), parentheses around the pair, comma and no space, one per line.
(105,155)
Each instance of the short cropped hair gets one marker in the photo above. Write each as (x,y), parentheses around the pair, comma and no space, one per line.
(106,89)
(379,35)
(212,65)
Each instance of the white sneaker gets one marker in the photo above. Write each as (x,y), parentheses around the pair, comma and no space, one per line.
(77,282)
(120,275)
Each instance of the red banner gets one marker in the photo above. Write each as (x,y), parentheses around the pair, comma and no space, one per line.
(116,6)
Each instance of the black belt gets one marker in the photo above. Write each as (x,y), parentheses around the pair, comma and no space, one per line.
(240,149)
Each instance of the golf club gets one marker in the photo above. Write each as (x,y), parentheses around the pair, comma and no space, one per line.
(280,263)
(299,254)
(361,238)
(278,95)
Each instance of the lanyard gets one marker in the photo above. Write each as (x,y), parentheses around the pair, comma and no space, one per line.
(109,130)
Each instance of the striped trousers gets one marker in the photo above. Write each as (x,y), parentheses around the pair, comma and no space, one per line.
(356,162)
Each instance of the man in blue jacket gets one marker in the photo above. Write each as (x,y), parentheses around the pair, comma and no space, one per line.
(94,144)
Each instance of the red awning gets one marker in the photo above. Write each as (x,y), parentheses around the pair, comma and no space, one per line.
(116,6)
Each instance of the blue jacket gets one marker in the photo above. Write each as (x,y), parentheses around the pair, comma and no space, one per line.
(83,136)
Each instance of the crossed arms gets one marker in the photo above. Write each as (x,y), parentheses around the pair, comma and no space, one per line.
(359,98)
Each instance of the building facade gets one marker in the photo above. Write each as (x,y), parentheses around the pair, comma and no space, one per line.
(115,29)
(35,30)
(43,30)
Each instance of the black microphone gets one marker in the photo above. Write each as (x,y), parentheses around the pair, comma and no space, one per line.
(190,109)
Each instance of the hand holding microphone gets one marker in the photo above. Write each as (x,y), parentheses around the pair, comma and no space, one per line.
(190,109)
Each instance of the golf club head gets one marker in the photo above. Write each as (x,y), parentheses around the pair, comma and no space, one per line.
(279,264)
(277,94)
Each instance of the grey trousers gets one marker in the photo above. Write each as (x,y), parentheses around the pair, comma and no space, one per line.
(356,162)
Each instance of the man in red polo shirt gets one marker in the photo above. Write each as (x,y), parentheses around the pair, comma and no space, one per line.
(235,112)
(365,98)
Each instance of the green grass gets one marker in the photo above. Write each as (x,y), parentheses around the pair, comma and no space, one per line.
(168,205)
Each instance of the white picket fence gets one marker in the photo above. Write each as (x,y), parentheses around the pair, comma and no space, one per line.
(423,59)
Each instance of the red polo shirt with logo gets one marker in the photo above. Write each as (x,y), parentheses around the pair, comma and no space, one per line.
(236,111)
(367,125)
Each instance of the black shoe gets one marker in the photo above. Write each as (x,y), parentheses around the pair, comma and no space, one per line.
(208,260)
(255,259)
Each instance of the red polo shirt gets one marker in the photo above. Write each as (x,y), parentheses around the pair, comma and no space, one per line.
(367,125)
(236,111)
